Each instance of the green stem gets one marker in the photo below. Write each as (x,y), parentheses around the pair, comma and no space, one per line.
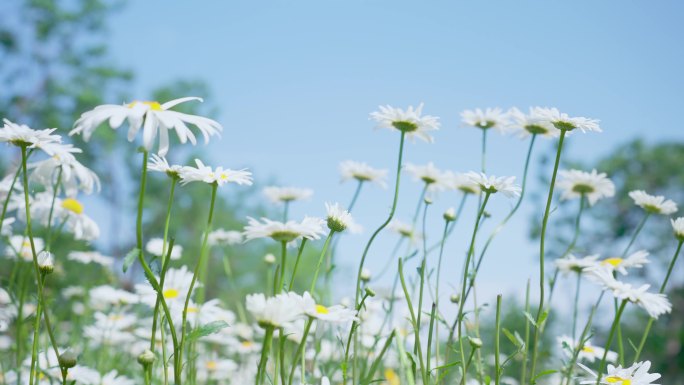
(320,261)
(384,224)
(283,253)
(580,342)
(497,368)
(429,343)
(523,371)
(299,256)
(636,232)
(542,283)
(9,195)
(662,290)
(613,328)
(55,188)
(439,270)
(265,350)
(575,306)
(423,266)
(300,350)
(412,314)
(484,149)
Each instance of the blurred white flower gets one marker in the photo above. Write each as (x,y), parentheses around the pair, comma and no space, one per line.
(224,237)
(362,173)
(637,259)
(564,122)
(6,226)
(287,194)
(461,182)
(574,264)
(20,246)
(493,184)
(592,185)
(409,121)
(434,179)
(176,286)
(23,135)
(155,246)
(653,204)
(90,257)
(637,374)
(274,311)
(531,124)
(485,119)
(74,177)
(104,296)
(152,117)
(68,212)
(220,176)
(589,352)
(655,304)
(335,314)
(310,228)
(677,227)
(160,164)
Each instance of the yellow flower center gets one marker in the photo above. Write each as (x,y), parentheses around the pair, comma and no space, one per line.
(618,380)
(320,309)
(170,293)
(392,377)
(72,205)
(247,344)
(223,176)
(615,262)
(152,104)
(212,365)
(588,349)
(192,309)
(26,244)
(115,317)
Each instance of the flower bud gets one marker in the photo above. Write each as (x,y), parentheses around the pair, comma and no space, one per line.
(365,275)
(146,358)
(475,343)
(450,214)
(46,262)
(370,292)
(269,259)
(455,298)
(427,200)
(67,359)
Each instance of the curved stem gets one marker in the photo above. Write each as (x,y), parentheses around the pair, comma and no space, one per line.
(439,270)
(636,232)
(265,350)
(320,261)
(55,188)
(9,195)
(296,265)
(613,328)
(423,267)
(575,306)
(300,350)
(384,224)
(542,283)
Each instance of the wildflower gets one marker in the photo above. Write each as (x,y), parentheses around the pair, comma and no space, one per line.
(531,124)
(68,211)
(450,214)
(462,183)
(310,228)
(104,296)
(155,247)
(90,257)
(366,274)
(434,179)
(206,174)
(593,186)
(213,368)
(637,259)
(152,117)
(269,259)
(23,135)
(637,374)
(223,237)
(274,311)
(336,314)
(74,176)
(655,304)
(578,265)
(362,173)
(20,246)
(589,352)
(46,262)
(160,164)
(486,119)
(410,121)
(564,122)
(653,204)
(493,184)
(677,226)
(339,219)
(176,286)
(403,229)
(287,194)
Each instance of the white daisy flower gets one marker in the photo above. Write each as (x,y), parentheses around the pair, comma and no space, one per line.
(335,314)
(160,164)
(653,204)
(224,237)
(287,194)
(434,179)
(404,229)
(339,219)
(408,121)
(111,329)
(637,374)
(104,296)
(90,257)
(493,184)
(274,311)
(152,117)
(677,227)
(220,176)
(310,228)
(485,119)
(23,135)
(46,261)
(6,226)
(362,173)
(462,183)
(593,186)
(531,124)
(155,246)
(68,211)
(577,265)
(176,286)
(655,304)
(588,353)
(637,259)
(213,368)
(6,184)
(74,177)
(564,122)
(20,246)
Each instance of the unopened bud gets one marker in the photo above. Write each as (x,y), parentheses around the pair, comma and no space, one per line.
(455,298)
(476,343)
(146,358)
(46,262)
(450,214)
(67,359)
(366,275)
(427,200)
(269,259)
(370,292)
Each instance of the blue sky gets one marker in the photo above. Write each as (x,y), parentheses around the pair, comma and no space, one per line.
(296,80)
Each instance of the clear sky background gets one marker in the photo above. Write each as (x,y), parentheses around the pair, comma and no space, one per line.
(296,80)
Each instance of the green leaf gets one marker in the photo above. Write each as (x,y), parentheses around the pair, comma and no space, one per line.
(530,318)
(207,329)
(543,317)
(542,374)
(511,337)
(129,258)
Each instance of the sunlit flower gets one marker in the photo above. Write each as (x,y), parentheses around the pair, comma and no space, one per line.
(68,211)
(410,121)
(339,219)
(336,314)
(637,259)
(637,374)
(287,194)
(574,264)
(677,227)
(176,286)
(21,246)
(310,228)
(653,204)
(531,124)
(493,184)
(152,117)
(362,173)
(23,135)
(589,352)
(434,179)
(564,122)
(485,119)
(224,237)
(155,246)
(220,176)
(591,185)
(655,304)
(462,183)
(274,311)
(90,257)
(160,164)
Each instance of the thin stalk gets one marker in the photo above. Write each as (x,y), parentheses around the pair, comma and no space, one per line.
(236,288)
(281,346)
(299,256)
(423,267)
(9,194)
(265,350)
(662,290)
(384,224)
(583,336)
(459,210)
(55,189)
(283,261)
(576,305)
(613,328)
(429,343)
(320,261)
(412,313)
(300,350)
(439,270)
(542,283)
(523,371)
(636,232)
(497,367)
(355,325)
(286,210)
